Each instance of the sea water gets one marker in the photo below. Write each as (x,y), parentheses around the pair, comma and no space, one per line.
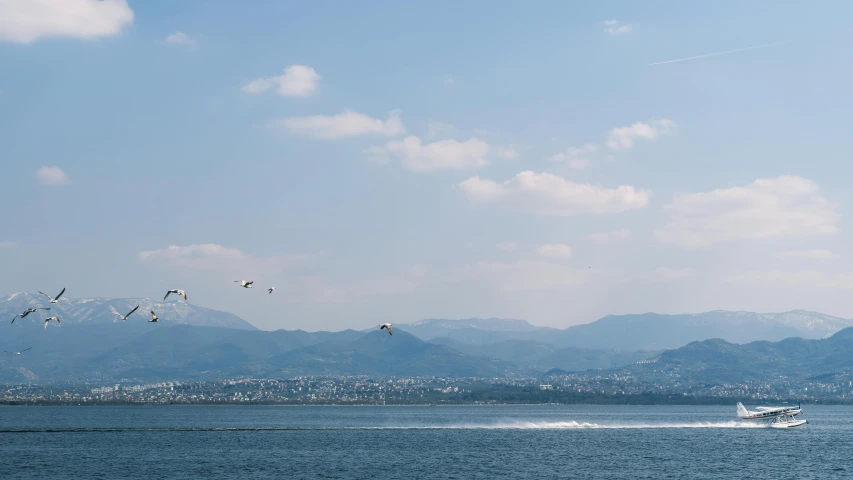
(390,442)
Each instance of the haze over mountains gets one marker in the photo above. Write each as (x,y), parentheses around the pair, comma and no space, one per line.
(193,342)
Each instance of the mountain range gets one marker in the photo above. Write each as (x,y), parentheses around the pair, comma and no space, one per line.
(647,331)
(719,362)
(192,342)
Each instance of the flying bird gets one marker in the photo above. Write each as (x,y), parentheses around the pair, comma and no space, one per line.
(244,283)
(48,319)
(386,325)
(178,291)
(27,312)
(153,317)
(124,317)
(53,300)
(18,353)
(271,289)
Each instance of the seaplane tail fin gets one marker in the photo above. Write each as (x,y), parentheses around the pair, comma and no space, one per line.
(741,410)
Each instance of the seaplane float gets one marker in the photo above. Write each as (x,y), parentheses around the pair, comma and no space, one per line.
(779,417)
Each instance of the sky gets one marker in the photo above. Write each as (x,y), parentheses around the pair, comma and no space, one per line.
(387,162)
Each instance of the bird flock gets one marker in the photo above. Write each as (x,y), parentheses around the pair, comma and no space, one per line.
(154,318)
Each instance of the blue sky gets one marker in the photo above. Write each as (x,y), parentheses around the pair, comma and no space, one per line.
(390,162)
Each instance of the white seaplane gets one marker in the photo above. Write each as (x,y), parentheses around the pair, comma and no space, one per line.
(780,417)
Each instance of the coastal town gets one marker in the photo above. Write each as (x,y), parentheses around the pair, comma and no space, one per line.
(586,387)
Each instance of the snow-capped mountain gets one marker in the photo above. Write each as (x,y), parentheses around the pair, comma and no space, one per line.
(88,311)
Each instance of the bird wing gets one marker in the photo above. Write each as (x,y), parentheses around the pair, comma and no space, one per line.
(14,318)
(167,295)
(181,292)
(60,294)
(57,319)
(44,308)
(24,350)
(46,295)
(250,282)
(134,309)
(46,321)
(390,331)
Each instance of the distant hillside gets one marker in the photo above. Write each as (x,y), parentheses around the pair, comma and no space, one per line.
(147,351)
(647,331)
(78,311)
(718,361)
(534,355)
(652,331)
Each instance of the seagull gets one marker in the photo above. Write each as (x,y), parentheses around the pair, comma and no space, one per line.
(178,291)
(386,325)
(245,284)
(53,300)
(48,319)
(153,317)
(27,312)
(18,353)
(124,317)
(271,289)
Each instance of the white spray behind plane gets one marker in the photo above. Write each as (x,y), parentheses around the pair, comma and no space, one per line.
(780,417)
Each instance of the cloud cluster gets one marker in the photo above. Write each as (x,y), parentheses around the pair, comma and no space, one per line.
(615,27)
(345,124)
(623,138)
(52,176)
(576,157)
(25,21)
(549,194)
(786,206)
(296,81)
(440,155)
(8,244)
(180,39)
(554,250)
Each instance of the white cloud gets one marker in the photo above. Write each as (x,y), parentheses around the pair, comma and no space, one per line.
(51,176)
(296,81)
(444,154)
(817,254)
(25,21)
(616,27)
(786,206)
(506,246)
(604,237)
(345,124)
(213,257)
(675,274)
(8,244)
(435,129)
(622,138)
(507,152)
(525,275)
(548,194)
(575,157)
(180,39)
(554,250)
(419,270)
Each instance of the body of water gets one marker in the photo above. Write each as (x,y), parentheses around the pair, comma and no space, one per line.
(385,442)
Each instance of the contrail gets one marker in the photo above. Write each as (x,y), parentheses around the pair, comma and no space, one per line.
(721,53)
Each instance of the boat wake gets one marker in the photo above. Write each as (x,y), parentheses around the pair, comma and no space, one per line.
(515,425)
(521,425)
